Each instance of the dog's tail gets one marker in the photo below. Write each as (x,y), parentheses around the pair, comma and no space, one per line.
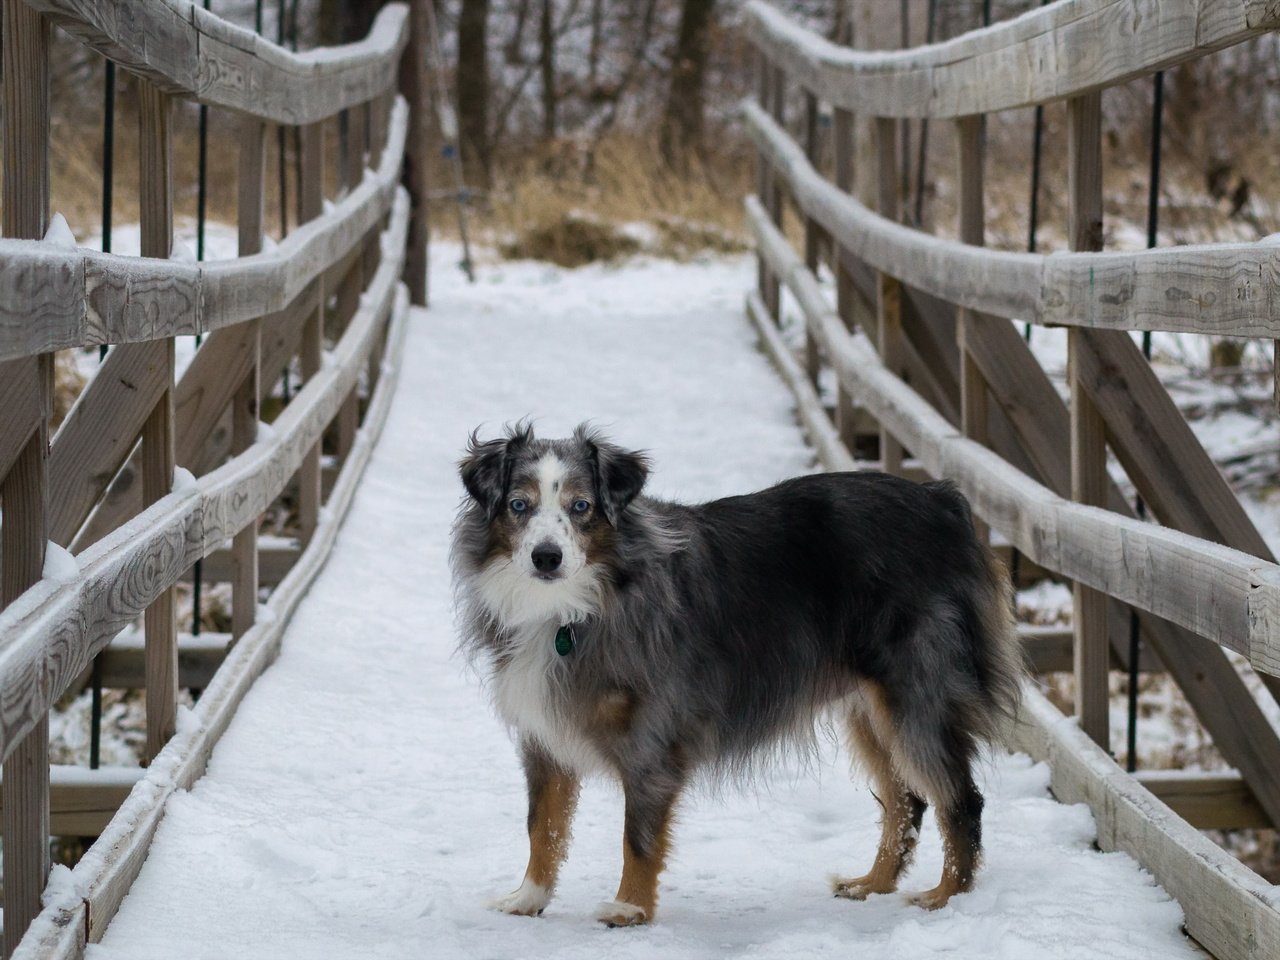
(1001,663)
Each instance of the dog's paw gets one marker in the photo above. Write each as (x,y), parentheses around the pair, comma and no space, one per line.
(859,888)
(615,913)
(933,899)
(529,901)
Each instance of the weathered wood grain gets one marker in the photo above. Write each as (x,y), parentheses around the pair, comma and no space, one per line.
(54,631)
(83,801)
(1222,289)
(974,416)
(1229,909)
(85,298)
(20,399)
(185,50)
(106,872)
(24,491)
(1047,54)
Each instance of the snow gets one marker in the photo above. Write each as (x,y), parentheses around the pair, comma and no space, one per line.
(184,481)
(59,565)
(366,802)
(59,233)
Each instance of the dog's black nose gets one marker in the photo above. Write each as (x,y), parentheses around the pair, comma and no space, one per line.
(546,557)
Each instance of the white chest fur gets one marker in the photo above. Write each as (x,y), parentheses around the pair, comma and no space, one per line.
(530,691)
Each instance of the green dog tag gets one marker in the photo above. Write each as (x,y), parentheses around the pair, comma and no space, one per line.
(564,640)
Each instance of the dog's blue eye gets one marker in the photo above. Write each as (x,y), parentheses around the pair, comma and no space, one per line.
(581,506)
(519,506)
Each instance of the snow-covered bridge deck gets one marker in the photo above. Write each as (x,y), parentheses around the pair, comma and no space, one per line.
(365,802)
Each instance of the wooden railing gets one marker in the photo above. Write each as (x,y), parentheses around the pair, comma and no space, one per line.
(916,309)
(149,474)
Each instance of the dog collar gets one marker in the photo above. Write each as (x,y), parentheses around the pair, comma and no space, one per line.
(565,640)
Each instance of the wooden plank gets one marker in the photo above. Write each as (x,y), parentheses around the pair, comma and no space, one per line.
(1216,592)
(129,835)
(1060,51)
(52,298)
(1232,288)
(155,191)
(974,416)
(201,399)
(101,430)
(274,562)
(1214,800)
(244,406)
(846,305)
(24,491)
(1088,436)
(311,199)
(83,801)
(888,289)
(188,51)
(58,628)
(123,663)
(819,429)
(1229,909)
(20,399)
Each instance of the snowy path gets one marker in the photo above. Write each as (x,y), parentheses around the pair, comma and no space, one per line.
(365,803)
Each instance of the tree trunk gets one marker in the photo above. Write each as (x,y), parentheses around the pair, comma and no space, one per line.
(547,65)
(473,88)
(681,135)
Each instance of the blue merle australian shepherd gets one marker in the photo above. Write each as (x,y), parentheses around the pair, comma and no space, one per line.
(655,640)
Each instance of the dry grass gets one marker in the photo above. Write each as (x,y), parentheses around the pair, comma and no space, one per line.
(572,204)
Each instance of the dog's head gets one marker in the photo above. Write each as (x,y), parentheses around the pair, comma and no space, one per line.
(550,510)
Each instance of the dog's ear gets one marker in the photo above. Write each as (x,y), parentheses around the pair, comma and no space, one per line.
(619,474)
(486,469)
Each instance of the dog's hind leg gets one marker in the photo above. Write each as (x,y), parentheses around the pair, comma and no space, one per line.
(900,824)
(960,822)
(553,797)
(651,793)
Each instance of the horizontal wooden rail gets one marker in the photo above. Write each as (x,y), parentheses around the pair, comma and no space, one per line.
(55,299)
(52,632)
(1062,50)
(1229,909)
(102,877)
(1208,800)
(185,50)
(83,801)
(1225,595)
(1223,289)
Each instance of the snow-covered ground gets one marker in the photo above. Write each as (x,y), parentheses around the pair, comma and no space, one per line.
(366,803)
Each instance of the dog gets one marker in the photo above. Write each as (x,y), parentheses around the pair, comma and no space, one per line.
(652,641)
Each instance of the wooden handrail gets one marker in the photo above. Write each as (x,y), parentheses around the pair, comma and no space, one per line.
(187,51)
(57,299)
(52,632)
(1225,595)
(1222,289)
(1050,53)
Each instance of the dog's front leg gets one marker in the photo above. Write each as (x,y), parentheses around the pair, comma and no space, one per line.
(553,796)
(651,794)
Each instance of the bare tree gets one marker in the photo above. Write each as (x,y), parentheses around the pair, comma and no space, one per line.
(681,133)
(547,66)
(473,87)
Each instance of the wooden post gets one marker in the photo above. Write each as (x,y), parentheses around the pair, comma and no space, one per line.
(1088,437)
(155,191)
(417,151)
(813,239)
(773,201)
(24,487)
(973,388)
(361,269)
(310,206)
(244,408)
(846,291)
(888,289)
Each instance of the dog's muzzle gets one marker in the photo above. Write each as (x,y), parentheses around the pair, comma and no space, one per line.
(546,560)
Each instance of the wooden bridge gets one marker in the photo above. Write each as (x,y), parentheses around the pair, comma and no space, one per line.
(919,338)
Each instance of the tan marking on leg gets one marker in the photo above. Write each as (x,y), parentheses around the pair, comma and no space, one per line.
(549,829)
(898,834)
(639,886)
(959,865)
